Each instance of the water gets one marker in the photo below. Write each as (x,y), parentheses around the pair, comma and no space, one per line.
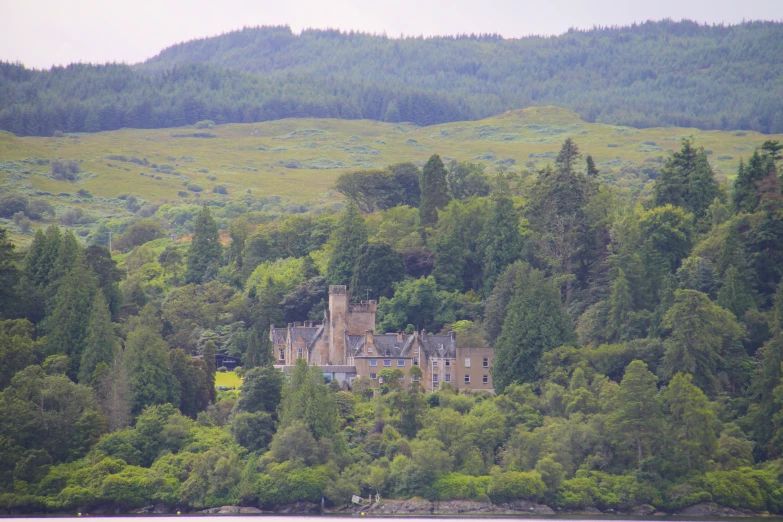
(343,518)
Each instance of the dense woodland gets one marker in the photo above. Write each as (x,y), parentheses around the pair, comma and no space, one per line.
(654,74)
(638,342)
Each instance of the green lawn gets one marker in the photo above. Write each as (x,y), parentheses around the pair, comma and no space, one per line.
(227,379)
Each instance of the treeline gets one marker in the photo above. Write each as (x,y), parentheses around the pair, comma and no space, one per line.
(654,74)
(638,346)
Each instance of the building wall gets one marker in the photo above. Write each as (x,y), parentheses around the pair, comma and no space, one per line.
(481,360)
(364,366)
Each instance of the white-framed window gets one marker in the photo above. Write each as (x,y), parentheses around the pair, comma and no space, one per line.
(434,364)
(485,379)
(485,364)
(373,362)
(415,361)
(467,362)
(400,362)
(373,376)
(416,351)
(282,354)
(447,377)
(369,349)
(435,378)
(299,352)
(387,362)
(467,379)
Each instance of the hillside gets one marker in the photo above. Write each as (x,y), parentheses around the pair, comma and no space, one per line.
(296,161)
(654,74)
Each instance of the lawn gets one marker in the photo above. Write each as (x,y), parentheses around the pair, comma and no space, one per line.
(227,379)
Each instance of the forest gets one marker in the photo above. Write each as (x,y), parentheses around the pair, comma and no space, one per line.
(652,74)
(638,345)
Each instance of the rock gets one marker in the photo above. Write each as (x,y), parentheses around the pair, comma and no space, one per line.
(228,510)
(249,511)
(145,509)
(642,510)
(711,509)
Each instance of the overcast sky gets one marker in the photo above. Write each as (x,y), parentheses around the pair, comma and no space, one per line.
(40,33)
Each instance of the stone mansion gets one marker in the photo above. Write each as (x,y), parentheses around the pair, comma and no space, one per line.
(345,347)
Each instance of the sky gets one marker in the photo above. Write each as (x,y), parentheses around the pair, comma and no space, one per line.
(42,33)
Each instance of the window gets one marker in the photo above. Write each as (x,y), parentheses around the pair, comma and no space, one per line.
(282,354)
(299,352)
(435,378)
(485,379)
(467,362)
(467,379)
(400,362)
(373,376)
(387,362)
(416,351)
(448,363)
(369,349)
(434,364)
(373,362)
(485,364)
(415,361)
(448,377)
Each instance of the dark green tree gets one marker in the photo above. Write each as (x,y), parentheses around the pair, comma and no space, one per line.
(691,420)
(306,398)
(735,294)
(498,302)
(261,390)
(205,250)
(500,240)
(100,344)
(687,181)
(347,239)
(620,308)
(67,326)
(259,348)
(211,368)
(109,276)
(592,170)
(191,374)
(376,270)
(434,191)
(536,323)
(9,275)
(747,194)
(146,362)
(407,176)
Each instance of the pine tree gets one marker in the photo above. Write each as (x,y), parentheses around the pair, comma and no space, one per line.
(377,268)
(347,239)
(638,419)
(735,294)
(67,325)
(69,253)
(620,307)
(205,250)
(500,240)
(209,359)
(146,363)
(592,170)
(566,158)
(9,275)
(687,181)
(691,419)
(306,399)
(434,191)
(536,323)
(259,349)
(100,345)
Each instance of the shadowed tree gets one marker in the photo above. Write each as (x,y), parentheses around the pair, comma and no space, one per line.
(434,191)
(205,249)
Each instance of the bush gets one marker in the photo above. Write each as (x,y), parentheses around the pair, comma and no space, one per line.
(11,204)
(65,169)
(220,189)
(516,485)
(459,486)
(83,193)
(195,188)
(205,124)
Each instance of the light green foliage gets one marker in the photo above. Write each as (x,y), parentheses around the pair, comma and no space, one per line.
(18,349)
(515,485)
(638,419)
(306,399)
(693,421)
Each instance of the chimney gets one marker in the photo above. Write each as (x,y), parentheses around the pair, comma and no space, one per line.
(369,339)
(399,336)
(452,336)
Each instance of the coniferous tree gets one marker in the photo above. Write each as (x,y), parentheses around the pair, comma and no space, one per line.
(592,170)
(205,249)
(100,344)
(691,420)
(259,348)
(746,195)
(211,368)
(307,399)
(9,275)
(735,294)
(348,238)
(145,359)
(637,420)
(67,326)
(500,240)
(687,181)
(536,323)
(620,307)
(434,191)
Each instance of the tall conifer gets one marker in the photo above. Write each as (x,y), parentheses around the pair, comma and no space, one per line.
(434,191)
(100,345)
(205,249)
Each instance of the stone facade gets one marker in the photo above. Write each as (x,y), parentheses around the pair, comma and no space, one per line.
(345,347)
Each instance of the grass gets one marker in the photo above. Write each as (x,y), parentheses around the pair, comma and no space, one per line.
(300,159)
(227,379)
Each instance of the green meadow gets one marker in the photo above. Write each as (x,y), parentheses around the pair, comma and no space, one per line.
(299,159)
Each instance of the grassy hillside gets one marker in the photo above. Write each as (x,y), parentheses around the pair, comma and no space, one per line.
(299,159)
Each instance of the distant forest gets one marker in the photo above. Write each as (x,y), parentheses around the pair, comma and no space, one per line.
(654,74)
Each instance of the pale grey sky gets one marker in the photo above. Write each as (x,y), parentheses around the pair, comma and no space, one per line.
(40,33)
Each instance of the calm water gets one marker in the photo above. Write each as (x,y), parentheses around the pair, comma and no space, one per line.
(330,518)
